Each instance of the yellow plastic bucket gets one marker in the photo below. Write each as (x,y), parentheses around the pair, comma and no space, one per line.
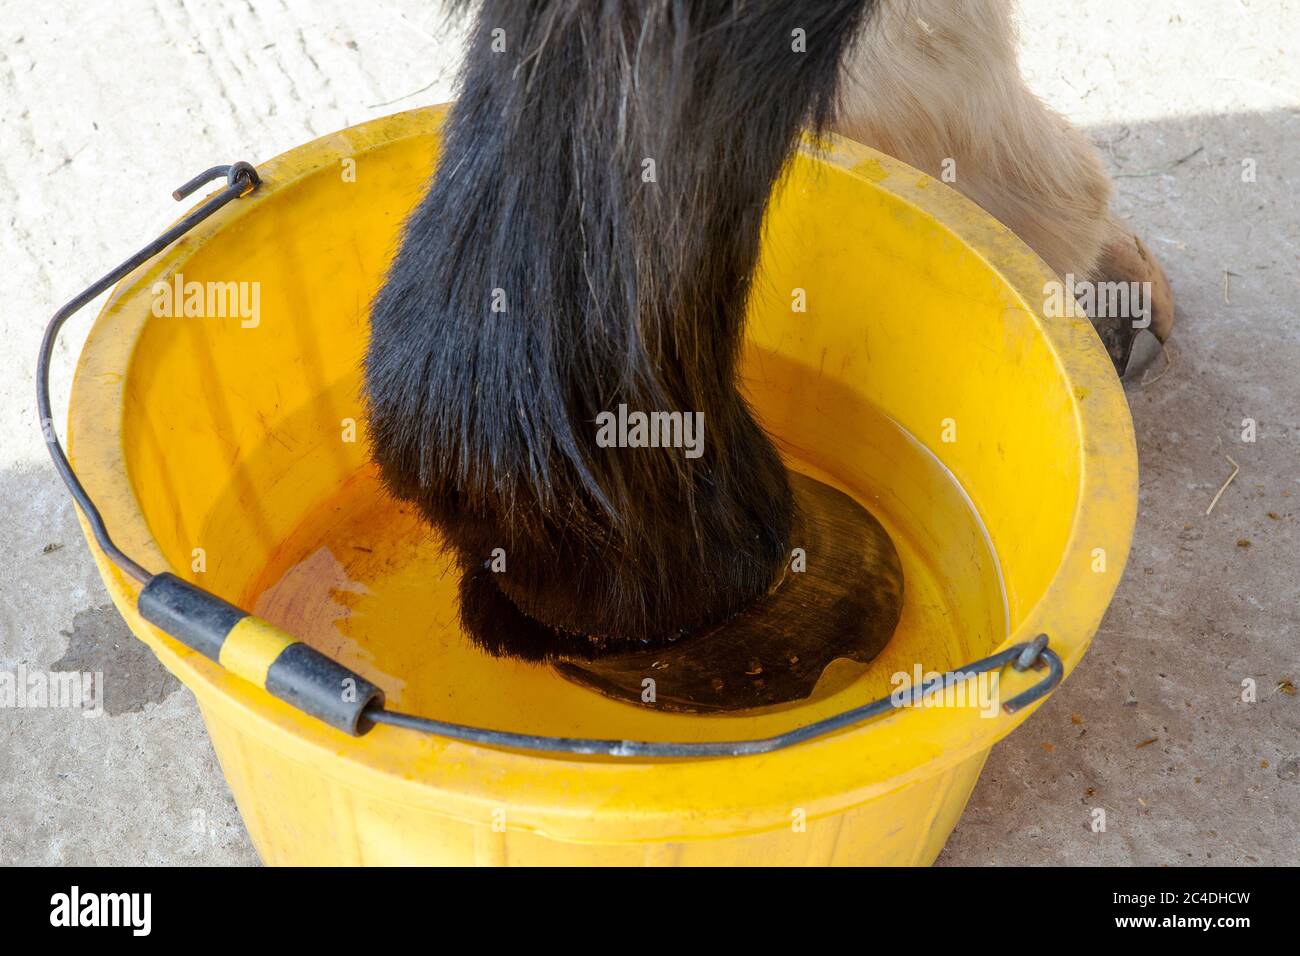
(214,446)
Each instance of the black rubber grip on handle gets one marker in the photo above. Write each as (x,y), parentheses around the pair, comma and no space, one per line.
(193,616)
(260,653)
(320,686)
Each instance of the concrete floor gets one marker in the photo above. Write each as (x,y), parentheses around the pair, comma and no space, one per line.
(108,106)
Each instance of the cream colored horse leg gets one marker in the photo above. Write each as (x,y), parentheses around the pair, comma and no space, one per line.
(936,83)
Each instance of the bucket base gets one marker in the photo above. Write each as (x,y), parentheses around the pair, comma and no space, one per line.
(839,597)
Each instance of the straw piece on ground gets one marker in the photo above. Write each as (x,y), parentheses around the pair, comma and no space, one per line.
(1219,494)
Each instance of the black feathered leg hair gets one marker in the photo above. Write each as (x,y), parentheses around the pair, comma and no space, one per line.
(588,240)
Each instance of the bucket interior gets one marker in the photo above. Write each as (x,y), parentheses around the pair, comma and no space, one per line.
(913,379)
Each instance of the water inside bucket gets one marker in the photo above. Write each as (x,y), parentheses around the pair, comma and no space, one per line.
(363,579)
